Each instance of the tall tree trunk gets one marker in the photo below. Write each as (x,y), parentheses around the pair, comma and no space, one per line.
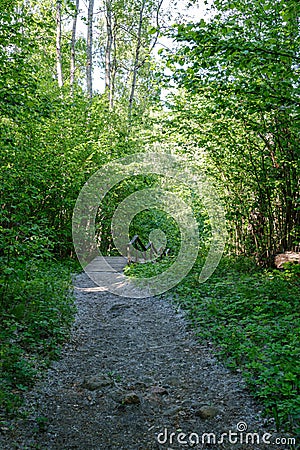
(108,51)
(137,57)
(89,50)
(58,44)
(113,65)
(73,55)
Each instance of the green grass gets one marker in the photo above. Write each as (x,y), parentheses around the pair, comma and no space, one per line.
(36,314)
(251,317)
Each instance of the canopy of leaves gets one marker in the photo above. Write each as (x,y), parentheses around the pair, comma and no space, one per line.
(241,73)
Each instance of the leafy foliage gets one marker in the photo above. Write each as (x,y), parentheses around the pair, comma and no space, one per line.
(240,71)
(51,142)
(35,319)
(234,116)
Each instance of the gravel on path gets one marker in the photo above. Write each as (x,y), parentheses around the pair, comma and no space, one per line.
(134,377)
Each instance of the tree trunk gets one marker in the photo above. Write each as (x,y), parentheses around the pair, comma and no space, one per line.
(73,41)
(108,51)
(58,44)
(137,58)
(113,67)
(89,50)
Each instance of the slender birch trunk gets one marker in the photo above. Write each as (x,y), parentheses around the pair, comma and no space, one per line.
(113,69)
(137,57)
(89,50)
(73,54)
(58,44)
(108,50)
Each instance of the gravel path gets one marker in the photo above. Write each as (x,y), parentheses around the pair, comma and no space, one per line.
(131,375)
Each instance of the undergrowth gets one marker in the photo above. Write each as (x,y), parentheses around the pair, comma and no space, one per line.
(36,314)
(251,317)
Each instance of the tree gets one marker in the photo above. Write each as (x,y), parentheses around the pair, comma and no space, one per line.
(138,62)
(129,33)
(244,66)
(58,43)
(89,50)
(109,72)
(73,42)
(137,55)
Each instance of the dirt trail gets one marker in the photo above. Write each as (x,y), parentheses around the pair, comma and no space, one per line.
(131,371)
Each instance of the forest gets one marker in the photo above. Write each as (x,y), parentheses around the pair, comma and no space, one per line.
(84,84)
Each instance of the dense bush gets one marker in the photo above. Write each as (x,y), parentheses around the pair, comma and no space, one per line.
(35,318)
